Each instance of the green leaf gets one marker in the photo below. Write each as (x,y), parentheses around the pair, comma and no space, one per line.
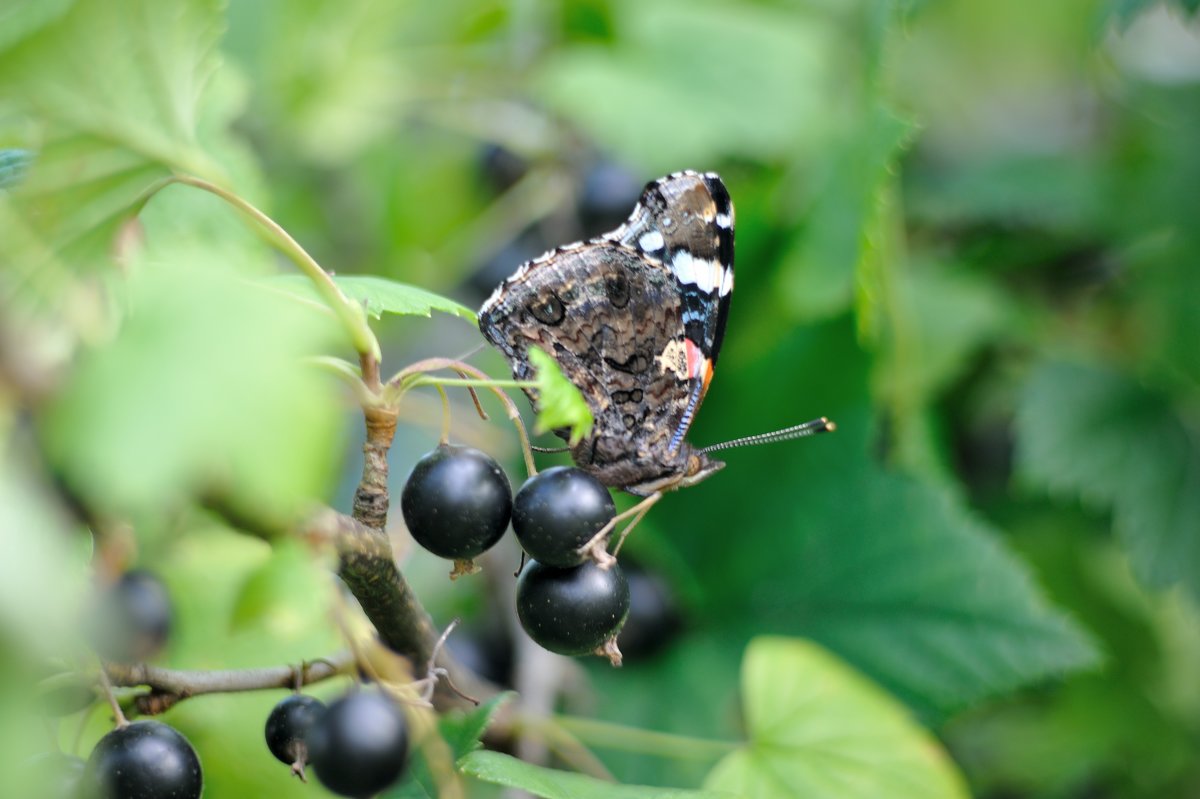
(895,575)
(328,95)
(461,731)
(129,72)
(559,402)
(284,594)
(1091,433)
(548,783)
(816,276)
(659,97)
(819,730)
(203,388)
(20,18)
(114,91)
(379,295)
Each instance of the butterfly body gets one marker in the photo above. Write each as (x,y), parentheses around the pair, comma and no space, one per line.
(635,320)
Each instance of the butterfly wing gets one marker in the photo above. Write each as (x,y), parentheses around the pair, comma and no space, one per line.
(635,320)
(686,222)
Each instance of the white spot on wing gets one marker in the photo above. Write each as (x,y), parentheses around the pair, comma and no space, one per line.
(651,241)
(727,282)
(703,274)
(723,221)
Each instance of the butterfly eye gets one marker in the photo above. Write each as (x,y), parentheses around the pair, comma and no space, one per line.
(548,310)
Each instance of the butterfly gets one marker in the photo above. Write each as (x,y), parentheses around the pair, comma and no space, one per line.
(635,319)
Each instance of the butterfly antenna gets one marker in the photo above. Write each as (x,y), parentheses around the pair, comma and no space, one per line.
(821,425)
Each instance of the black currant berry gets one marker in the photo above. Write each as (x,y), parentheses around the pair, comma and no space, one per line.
(146,760)
(558,511)
(654,615)
(132,618)
(359,746)
(287,726)
(456,502)
(573,611)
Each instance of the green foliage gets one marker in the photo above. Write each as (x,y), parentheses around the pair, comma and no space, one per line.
(667,102)
(548,783)
(817,729)
(964,228)
(1091,433)
(202,380)
(379,296)
(20,18)
(284,593)
(1126,11)
(816,275)
(560,405)
(458,730)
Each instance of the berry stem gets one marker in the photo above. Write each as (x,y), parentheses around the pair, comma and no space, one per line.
(413,375)
(106,685)
(445,438)
(597,547)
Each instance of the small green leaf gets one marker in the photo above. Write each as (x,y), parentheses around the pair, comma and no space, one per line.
(549,783)
(461,732)
(820,730)
(559,402)
(379,295)
(1095,434)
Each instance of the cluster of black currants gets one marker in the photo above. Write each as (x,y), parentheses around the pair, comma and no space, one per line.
(130,621)
(457,504)
(357,746)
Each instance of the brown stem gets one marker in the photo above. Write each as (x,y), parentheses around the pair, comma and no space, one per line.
(371,498)
(168,687)
(367,565)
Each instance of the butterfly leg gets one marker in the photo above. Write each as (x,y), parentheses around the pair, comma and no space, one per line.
(597,547)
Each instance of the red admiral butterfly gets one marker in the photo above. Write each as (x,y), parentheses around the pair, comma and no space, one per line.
(635,319)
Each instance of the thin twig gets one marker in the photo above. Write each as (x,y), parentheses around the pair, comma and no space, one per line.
(107,686)
(168,687)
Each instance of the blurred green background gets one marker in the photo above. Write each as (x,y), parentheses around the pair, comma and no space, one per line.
(967,230)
